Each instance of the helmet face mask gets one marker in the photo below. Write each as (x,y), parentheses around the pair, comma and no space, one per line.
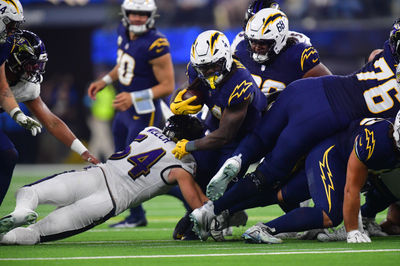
(142,8)
(268,29)
(394,39)
(28,59)
(396,130)
(179,127)
(11,18)
(211,57)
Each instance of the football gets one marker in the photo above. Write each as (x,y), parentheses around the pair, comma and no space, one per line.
(193,92)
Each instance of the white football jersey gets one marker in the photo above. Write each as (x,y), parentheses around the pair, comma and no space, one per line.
(25,91)
(140,172)
(299,36)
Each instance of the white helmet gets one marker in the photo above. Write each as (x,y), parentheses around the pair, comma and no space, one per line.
(147,7)
(11,16)
(268,26)
(211,56)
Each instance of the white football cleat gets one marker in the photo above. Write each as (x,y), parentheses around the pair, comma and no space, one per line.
(17,218)
(202,218)
(260,233)
(218,184)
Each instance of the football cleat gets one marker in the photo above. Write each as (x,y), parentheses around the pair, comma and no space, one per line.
(224,221)
(130,223)
(286,235)
(218,184)
(17,218)
(372,228)
(202,218)
(310,234)
(337,235)
(260,233)
(356,236)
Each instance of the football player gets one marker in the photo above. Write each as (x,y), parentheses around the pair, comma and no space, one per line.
(275,56)
(144,169)
(309,110)
(335,171)
(10,19)
(144,72)
(24,71)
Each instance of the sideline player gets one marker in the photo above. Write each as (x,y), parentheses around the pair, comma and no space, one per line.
(309,110)
(10,19)
(144,169)
(145,74)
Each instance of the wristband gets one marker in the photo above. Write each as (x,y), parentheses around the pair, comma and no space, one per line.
(78,147)
(190,146)
(107,79)
(13,111)
(142,95)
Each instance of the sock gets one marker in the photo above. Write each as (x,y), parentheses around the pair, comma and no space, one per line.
(245,194)
(8,160)
(298,220)
(26,198)
(137,212)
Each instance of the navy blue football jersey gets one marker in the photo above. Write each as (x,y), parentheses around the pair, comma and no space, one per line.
(291,64)
(135,72)
(370,92)
(239,87)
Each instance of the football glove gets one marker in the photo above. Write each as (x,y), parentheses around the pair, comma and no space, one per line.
(180,149)
(355,236)
(27,122)
(183,107)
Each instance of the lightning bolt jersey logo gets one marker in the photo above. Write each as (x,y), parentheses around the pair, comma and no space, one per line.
(239,90)
(326,176)
(369,136)
(160,44)
(309,52)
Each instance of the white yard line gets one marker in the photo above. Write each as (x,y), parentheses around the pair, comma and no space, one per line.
(207,255)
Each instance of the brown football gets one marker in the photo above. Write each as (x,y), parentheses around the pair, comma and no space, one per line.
(192,92)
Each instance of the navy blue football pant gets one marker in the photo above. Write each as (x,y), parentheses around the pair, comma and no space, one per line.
(297,121)
(8,160)
(326,178)
(126,126)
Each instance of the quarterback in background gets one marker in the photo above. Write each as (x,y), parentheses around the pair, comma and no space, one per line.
(144,73)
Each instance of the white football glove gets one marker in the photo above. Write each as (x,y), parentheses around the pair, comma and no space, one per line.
(27,122)
(355,236)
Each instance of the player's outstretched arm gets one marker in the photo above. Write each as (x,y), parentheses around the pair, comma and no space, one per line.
(190,189)
(59,129)
(356,176)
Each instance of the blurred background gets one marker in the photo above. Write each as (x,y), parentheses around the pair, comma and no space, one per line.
(80,37)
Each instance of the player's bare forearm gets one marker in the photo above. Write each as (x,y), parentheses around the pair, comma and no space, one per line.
(231,120)
(164,72)
(50,121)
(7,100)
(189,188)
(356,176)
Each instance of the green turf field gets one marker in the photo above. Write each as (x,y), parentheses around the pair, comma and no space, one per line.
(153,245)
